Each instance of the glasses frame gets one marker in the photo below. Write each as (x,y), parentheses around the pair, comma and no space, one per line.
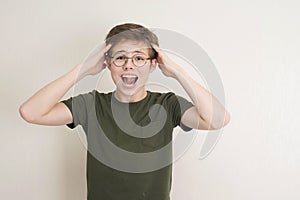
(127,58)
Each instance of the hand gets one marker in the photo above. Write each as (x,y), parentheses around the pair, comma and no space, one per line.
(95,63)
(165,64)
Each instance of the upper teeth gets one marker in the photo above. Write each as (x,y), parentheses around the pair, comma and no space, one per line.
(129,76)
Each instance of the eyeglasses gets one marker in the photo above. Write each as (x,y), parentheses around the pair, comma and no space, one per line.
(138,60)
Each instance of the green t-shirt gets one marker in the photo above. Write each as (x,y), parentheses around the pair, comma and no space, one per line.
(129,153)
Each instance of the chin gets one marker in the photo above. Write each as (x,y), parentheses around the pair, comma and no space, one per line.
(129,90)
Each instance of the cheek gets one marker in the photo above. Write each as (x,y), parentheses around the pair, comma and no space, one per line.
(115,75)
(145,70)
(144,74)
(115,78)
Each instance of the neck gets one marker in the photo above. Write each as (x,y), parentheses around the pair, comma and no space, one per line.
(134,97)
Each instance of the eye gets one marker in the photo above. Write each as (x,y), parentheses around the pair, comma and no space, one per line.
(139,58)
(120,58)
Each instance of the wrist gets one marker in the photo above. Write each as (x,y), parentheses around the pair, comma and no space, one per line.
(78,73)
(178,72)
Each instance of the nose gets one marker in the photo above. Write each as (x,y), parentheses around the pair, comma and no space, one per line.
(128,64)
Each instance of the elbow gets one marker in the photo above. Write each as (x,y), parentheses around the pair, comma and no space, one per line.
(26,114)
(226,119)
(220,123)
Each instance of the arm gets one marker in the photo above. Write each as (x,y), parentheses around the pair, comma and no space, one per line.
(207,107)
(44,107)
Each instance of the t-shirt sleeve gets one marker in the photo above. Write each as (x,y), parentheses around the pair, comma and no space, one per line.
(80,106)
(178,105)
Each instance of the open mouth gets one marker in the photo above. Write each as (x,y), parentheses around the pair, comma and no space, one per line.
(129,79)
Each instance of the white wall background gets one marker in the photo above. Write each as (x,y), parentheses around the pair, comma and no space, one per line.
(255,46)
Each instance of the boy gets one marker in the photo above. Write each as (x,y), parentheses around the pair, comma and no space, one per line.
(134,120)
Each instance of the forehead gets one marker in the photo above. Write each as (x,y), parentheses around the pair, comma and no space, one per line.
(130,46)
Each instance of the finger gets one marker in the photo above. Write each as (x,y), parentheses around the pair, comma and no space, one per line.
(100,53)
(155,47)
(106,48)
(158,50)
(103,50)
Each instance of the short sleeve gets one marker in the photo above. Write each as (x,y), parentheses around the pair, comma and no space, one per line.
(80,106)
(178,105)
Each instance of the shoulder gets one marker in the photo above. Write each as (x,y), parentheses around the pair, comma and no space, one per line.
(102,97)
(168,99)
(92,97)
(161,95)
(102,94)
(171,100)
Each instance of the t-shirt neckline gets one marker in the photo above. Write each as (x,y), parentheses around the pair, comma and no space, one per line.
(131,103)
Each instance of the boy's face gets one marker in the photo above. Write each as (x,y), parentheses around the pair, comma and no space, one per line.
(130,75)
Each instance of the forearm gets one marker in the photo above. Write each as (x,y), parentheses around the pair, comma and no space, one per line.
(44,99)
(208,107)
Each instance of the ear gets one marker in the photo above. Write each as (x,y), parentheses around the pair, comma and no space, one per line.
(153,65)
(108,64)
(108,67)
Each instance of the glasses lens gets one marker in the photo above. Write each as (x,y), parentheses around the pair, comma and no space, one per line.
(119,60)
(139,60)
